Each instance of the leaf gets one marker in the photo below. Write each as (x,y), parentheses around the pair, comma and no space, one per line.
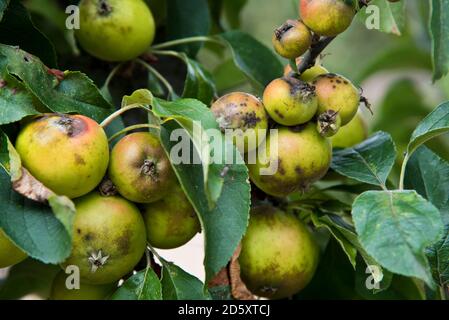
(369,162)
(180,285)
(32,226)
(187,19)
(75,93)
(345,235)
(428,174)
(401,288)
(141,96)
(199,83)
(391,16)
(258,62)
(225,224)
(17,29)
(439,31)
(438,255)
(395,227)
(436,123)
(16,102)
(144,285)
(3,5)
(28,277)
(196,119)
(347,247)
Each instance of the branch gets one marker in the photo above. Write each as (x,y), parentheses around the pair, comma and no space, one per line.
(309,58)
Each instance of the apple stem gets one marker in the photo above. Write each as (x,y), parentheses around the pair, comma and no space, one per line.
(134,127)
(160,77)
(117,113)
(178,42)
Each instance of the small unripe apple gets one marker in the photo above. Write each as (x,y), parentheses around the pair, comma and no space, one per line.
(327,17)
(69,154)
(10,254)
(298,157)
(140,168)
(336,93)
(109,238)
(244,117)
(172,221)
(279,255)
(115,30)
(292,39)
(290,101)
(351,134)
(59,290)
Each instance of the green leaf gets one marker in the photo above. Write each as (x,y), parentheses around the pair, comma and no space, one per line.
(391,15)
(439,31)
(180,285)
(369,162)
(28,277)
(199,83)
(348,248)
(428,174)
(438,255)
(225,224)
(258,62)
(395,227)
(436,123)
(401,288)
(196,119)
(144,285)
(76,93)
(3,5)
(17,29)
(187,19)
(32,226)
(15,101)
(346,235)
(141,96)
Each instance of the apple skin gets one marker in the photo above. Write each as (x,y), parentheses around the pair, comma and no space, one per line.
(303,157)
(115,30)
(115,227)
(172,221)
(69,154)
(244,116)
(10,254)
(327,17)
(59,290)
(279,255)
(140,168)
(351,134)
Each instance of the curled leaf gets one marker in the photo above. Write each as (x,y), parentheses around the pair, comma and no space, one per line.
(238,288)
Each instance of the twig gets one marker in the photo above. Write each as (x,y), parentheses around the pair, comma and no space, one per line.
(309,58)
